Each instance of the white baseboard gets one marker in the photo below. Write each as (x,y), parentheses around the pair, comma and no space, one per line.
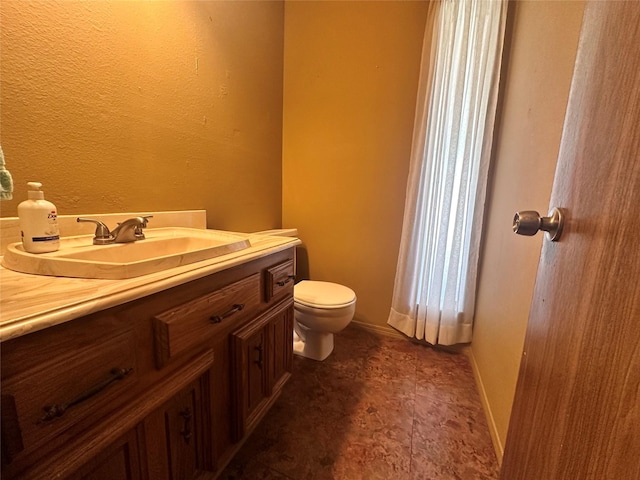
(495,438)
(379,329)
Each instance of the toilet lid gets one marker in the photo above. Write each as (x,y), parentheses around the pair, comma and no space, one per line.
(323,294)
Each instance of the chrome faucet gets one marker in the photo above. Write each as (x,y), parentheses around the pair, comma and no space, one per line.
(128,231)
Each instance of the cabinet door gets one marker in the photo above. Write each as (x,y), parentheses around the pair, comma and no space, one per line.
(281,348)
(251,376)
(174,434)
(121,461)
(262,357)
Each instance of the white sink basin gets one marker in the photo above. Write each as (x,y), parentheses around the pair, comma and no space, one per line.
(162,249)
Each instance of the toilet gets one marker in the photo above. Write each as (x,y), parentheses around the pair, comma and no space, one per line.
(321,309)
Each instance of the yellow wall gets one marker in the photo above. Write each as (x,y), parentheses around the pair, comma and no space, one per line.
(137,106)
(350,79)
(536,87)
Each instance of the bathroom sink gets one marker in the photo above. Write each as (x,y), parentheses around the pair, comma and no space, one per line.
(162,248)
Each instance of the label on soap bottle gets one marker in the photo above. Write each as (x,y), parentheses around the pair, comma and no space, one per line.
(42,235)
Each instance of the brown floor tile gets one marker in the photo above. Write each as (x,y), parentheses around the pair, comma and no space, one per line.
(377,408)
(451,441)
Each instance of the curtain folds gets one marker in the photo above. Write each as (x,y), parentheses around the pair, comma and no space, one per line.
(434,292)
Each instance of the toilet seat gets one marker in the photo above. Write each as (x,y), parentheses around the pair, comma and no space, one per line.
(323,295)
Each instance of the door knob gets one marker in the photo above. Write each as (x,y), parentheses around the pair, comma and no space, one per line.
(529,222)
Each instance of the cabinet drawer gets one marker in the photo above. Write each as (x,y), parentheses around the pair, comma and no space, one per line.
(279,280)
(189,324)
(44,401)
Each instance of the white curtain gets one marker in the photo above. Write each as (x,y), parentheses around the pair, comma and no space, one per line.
(435,286)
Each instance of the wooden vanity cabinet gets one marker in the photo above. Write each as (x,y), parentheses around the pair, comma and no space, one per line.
(169,443)
(163,387)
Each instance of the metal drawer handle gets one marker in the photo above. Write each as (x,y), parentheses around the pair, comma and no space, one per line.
(282,283)
(59,409)
(218,318)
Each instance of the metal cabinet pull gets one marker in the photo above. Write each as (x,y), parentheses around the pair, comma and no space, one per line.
(218,318)
(259,360)
(59,409)
(187,416)
(282,283)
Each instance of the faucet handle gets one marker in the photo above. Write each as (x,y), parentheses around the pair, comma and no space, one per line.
(142,223)
(103,235)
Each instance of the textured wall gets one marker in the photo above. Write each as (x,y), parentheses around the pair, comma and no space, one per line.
(536,88)
(351,76)
(136,106)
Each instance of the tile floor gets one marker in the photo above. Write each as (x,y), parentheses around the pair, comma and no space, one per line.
(377,408)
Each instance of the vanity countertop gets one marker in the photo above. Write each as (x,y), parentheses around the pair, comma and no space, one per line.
(33,302)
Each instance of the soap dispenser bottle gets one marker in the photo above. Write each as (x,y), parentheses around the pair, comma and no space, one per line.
(38,222)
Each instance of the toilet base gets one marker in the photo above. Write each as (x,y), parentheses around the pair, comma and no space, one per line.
(315,345)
